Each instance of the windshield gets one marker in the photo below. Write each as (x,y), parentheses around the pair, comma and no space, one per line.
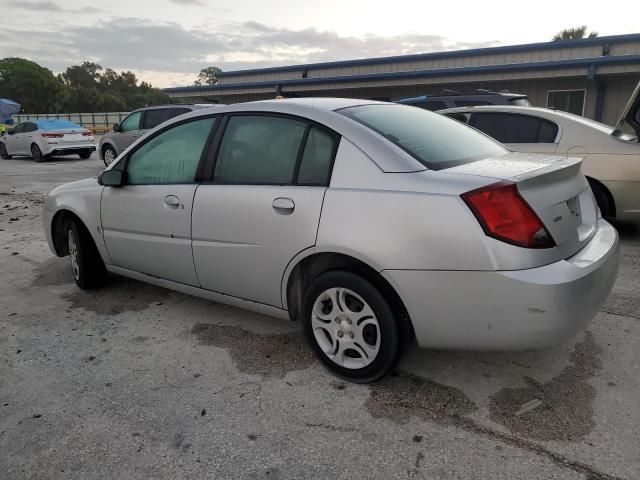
(434,140)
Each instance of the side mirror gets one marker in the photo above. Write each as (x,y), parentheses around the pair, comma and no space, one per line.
(10,132)
(116,127)
(111,178)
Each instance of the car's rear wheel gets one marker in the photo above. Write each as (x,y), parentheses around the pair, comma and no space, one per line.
(350,326)
(3,152)
(36,153)
(86,264)
(108,155)
(85,155)
(602,199)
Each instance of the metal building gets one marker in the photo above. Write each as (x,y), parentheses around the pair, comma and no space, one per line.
(593,77)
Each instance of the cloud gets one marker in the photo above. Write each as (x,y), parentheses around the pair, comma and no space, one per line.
(144,46)
(37,6)
(194,3)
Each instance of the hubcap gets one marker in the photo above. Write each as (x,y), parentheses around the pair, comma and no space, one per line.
(346,328)
(73,255)
(109,156)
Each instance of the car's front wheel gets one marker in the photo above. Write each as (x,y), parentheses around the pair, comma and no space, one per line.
(108,155)
(36,153)
(86,264)
(350,326)
(85,155)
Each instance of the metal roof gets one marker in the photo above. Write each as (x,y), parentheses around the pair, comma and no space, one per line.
(590,62)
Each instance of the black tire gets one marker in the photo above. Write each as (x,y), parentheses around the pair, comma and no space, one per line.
(108,152)
(88,270)
(85,155)
(602,199)
(36,153)
(390,340)
(3,152)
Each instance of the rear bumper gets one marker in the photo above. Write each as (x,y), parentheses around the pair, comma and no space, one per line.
(71,149)
(510,310)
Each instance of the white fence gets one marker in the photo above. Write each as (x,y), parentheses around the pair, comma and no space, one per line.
(98,122)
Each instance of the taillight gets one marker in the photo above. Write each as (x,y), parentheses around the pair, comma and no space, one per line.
(505,215)
(86,134)
(52,135)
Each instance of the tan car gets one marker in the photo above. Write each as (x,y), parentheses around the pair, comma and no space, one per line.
(611,155)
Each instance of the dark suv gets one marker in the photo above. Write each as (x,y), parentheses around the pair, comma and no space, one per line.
(451,99)
(136,124)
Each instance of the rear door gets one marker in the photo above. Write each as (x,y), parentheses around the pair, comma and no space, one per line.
(262,204)
(146,223)
(519,132)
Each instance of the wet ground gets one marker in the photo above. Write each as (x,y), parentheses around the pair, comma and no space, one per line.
(134,381)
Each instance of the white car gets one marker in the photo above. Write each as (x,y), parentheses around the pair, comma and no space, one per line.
(40,139)
(611,156)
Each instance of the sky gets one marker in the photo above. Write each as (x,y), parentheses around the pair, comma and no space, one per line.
(167,42)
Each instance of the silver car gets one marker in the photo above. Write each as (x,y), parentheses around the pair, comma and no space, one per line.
(136,124)
(374,224)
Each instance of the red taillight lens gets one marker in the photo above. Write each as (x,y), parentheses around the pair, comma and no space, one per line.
(505,215)
(86,134)
(52,135)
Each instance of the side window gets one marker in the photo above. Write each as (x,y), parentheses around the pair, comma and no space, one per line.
(174,112)
(19,128)
(30,127)
(132,122)
(515,128)
(434,105)
(315,165)
(259,149)
(171,156)
(153,118)
(470,103)
(461,117)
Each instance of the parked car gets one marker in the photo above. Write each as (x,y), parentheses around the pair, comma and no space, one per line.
(136,124)
(372,223)
(611,156)
(452,98)
(44,138)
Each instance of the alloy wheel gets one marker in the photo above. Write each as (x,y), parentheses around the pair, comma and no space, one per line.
(73,254)
(36,153)
(109,156)
(346,328)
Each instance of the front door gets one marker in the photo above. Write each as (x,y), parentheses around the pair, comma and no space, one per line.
(147,222)
(262,206)
(16,140)
(129,131)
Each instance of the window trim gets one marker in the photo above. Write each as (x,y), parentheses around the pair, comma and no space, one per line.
(210,170)
(584,97)
(556,141)
(204,156)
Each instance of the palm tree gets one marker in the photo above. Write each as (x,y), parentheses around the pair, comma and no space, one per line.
(574,33)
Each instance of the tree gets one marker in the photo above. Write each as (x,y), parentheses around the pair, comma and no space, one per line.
(32,86)
(574,34)
(208,76)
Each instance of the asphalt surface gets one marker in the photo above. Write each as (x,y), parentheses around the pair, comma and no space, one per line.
(134,381)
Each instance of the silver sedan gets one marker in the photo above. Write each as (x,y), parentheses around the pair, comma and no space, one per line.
(373,224)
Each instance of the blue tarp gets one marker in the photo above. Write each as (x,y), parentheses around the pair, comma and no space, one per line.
(53,124)
(7,109)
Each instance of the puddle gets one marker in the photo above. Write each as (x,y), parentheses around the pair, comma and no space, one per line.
(119,296)
(270,355)
(566,412)
(405,395)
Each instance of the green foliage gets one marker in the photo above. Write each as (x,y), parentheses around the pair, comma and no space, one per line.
(32,86)
(80,88)
(574,33)
(207,76)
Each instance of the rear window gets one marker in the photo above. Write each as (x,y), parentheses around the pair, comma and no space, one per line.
(515,128)
(434,140)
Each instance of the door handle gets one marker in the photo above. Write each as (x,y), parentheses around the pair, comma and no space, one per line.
(172,202)
(283,206)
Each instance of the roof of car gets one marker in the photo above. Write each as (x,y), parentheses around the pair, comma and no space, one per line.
(322,103)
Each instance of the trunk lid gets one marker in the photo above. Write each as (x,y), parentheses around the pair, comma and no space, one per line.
(553,187)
